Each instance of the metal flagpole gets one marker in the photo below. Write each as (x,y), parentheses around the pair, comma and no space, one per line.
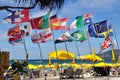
(115,37)
(113,55)
(40,51)
(38,43)
(24,44)
(55,47)
(67,53)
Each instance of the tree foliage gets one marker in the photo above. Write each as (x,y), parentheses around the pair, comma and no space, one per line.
(19,66)
(30,4)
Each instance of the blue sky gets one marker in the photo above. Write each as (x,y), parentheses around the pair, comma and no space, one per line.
(101,10)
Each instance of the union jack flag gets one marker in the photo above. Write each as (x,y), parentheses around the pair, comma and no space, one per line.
(107,43)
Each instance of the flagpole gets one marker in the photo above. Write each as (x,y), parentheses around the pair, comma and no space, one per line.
(24,44)
(65,43)
(115,36)
(55,48)
(66,50)
(115,33)
(40,51)
(113,54)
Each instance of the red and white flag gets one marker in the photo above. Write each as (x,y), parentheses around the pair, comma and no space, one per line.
(44,36)
(107,43)
(24,15)
(17,17)
(14,31)
(58,23)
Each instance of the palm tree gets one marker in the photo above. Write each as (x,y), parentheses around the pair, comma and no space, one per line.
(30,4)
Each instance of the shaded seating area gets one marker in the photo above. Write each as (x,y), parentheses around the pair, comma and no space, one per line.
(68,73)
(101,71)
(78,73)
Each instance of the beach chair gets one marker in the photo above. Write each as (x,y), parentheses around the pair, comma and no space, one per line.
(67,74)
(78,72)
(53,72)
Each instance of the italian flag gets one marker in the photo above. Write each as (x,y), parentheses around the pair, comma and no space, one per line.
(78,23)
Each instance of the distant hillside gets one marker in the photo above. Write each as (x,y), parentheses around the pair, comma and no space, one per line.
(107,55)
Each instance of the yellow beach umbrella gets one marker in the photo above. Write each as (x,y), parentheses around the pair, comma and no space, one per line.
(31,66)
(91,57)
(49,65)
(61,54)
(103,64)
(39,66)
(87,65)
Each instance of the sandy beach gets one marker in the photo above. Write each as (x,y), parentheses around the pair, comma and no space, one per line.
(89,78)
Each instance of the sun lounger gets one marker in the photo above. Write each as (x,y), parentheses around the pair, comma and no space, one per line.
(67,74)
(78,72)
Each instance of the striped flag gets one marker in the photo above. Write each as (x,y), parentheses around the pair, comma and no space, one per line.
(44,36)
(14,31)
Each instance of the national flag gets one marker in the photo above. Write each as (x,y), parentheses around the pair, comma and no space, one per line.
(57,24)
(88,21)
(105,34)
(108,32)
(17,17)
(64,37)
(91,30)
(107,43)
(26,30)
(24,15)
(16,42)
(101,26)
(62,24)
(78,23)
(16,37)
(14,31)
(54,21)
(35,23)
(44,22)
(44,36)
(12,18)
(88,15)
(79,35)
(40,22)
(88,18)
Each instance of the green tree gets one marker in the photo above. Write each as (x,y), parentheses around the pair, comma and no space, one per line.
(19,66)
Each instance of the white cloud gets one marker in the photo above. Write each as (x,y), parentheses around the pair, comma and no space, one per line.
(104,4)
(79,7)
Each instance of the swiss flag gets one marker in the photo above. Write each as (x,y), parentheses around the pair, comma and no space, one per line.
(24,15)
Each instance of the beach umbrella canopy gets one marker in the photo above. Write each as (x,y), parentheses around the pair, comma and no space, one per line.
(31,66)
(91,57)
(61,54)
(103,64)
